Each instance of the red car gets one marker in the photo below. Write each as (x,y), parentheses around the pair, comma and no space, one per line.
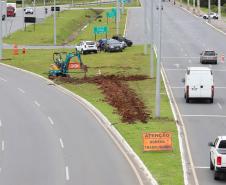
(11,11)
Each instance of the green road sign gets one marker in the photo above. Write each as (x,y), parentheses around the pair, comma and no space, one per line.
(100,29)
(110,14)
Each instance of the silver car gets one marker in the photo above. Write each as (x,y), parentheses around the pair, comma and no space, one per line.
(208,56)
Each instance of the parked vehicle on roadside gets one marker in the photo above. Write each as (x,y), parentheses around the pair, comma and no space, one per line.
(218,156)
(100,44)
(85,47)
(113,45)
(128,42)
(198,84)
(28,10)
(208,56)
(212,15)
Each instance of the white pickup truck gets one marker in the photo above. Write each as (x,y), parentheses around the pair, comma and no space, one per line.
(218,156)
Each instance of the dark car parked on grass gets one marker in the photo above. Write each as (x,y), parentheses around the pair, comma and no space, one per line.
(128,42)
(112,45)
(100,44)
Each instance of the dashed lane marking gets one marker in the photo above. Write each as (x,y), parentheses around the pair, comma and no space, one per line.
(67,173)
(3,145)
(50,120)
(21,90)
(36,103)
(0,123)
(3,79)
(61,143)
(219,105)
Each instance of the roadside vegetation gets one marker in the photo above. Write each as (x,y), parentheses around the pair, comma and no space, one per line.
(165,166)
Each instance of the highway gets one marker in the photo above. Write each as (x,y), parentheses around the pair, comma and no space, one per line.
(184,36)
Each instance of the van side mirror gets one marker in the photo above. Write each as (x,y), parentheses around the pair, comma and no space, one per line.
(210,144)
(183,80)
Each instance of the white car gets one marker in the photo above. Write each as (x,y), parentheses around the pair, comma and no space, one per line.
(85,47)
(212,16)
(28,10)
(218,156)
(198,84)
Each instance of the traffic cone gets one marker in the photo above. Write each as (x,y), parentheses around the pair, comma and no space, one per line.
(15,49)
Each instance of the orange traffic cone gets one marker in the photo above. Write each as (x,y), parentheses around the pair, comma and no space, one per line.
(15,49)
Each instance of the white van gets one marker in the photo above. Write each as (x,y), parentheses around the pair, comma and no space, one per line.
(199,84)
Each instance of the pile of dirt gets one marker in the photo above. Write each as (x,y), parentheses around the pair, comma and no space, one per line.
(119,95)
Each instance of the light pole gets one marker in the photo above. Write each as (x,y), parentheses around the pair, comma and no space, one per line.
(209,11)
(158,71)
(117,16)
(194,6)
(219,9)
(198,5)
(152,41)
(23,12)
(188,4)
(145,27)
(0,30)
(54,23)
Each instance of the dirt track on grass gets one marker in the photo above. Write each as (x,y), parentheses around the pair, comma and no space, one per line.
(119,95)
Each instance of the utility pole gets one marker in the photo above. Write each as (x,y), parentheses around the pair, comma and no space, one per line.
(0,30)
(193,6)
(209,11)
(54,23)
(219,9)
(198,5)
(158,71)
(188,4)
(23,12)
(152,41)
(117,16)
(145,27)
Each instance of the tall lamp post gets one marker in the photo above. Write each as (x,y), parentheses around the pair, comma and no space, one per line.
(158,71)
(219,9)
(152,41)
(54,23)
(145,27)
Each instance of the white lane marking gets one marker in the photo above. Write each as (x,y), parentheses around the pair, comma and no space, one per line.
(200,115)
(175,69)
(0,123)
(36,103)
(3,145)
(50,120)
(202,167)
(61,143)
(67,173)
(176,87)
(3,79)
(21,90)
(219,105)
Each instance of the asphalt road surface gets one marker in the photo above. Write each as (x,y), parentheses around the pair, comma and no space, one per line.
(46,138)
(183,38)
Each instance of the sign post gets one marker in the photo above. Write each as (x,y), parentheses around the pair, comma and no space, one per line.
(100,30)
(157,141)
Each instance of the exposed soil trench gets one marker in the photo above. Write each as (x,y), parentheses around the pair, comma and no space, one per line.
(119,95)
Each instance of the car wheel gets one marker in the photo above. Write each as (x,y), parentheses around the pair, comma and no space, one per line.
(211,100)
(216,175)
(95,52)
(187,100)
(211,165)
(215,62)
